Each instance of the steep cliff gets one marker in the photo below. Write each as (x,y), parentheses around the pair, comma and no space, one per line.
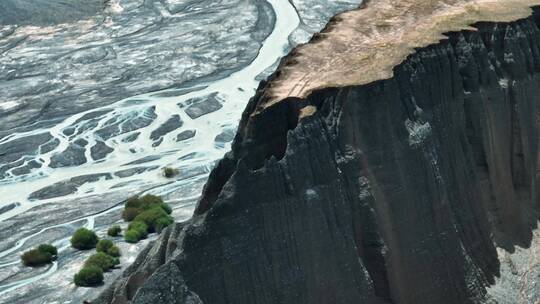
(396,190)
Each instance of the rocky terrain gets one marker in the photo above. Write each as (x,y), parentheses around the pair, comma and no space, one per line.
(99,96)
(375,171)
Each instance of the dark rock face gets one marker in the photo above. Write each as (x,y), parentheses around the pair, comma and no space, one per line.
(392,192)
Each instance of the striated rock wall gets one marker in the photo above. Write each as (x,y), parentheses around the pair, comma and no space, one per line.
(397,191)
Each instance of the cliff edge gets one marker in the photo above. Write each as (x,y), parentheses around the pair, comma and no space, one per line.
(388,178)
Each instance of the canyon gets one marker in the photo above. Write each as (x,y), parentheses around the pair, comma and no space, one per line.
(392,159)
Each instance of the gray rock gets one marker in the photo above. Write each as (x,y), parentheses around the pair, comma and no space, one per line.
(100,150)
(45,12)
(184,135)
(66,187)
(202,105)
(133,171)
(224,137)
(26,168)
(28,145)
(9,207)
(73,155)
(115,127)
(157,142)
(49,146)
(81,142)
(143,160)
(131,137)
(173,123)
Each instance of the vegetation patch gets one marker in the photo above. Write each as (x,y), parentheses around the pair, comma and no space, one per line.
(104,245)
(147,214)
(114,251)
(131,236)
(89,276)
(84,239)
(102,260)
(39,256)
(155,219)
(114,231)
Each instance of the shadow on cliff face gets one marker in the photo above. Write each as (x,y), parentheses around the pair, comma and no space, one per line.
(393,192)
(443,156)
(45,12)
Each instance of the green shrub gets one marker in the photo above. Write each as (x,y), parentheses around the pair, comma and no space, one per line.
(166,208)
(89,276)
(114,231)
(48,248)
(145,200)
(130,213)
(140,227)
(135,205)
(152,217)
(133,202)
(163,222)
(84,239)
(114,251)
(132,236)
(101,260)
(36,257)
(104,245)
(43,254)
(169,172)
(148,209)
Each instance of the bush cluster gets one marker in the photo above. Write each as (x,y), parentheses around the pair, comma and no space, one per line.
(147,214)
(39,256)
(102,260)
(84,239)
(114,231)
(107,247)
(105,259)
(89,276)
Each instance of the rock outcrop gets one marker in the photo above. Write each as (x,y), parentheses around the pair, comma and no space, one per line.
(394,191)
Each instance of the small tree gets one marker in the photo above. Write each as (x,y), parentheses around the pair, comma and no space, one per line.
(101,260)
(140,227)
(39,256)
(130,213)
(48,248)
(84,239)
(114,251)
(89,276)
(162,223)
(152,217)
(104,245)
(114,231)
(132,236)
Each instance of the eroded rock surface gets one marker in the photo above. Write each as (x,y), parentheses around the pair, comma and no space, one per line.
(396,191)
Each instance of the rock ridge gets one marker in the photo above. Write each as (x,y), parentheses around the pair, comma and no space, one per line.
(394,191)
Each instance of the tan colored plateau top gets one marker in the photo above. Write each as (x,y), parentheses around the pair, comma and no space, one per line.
(365,44)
